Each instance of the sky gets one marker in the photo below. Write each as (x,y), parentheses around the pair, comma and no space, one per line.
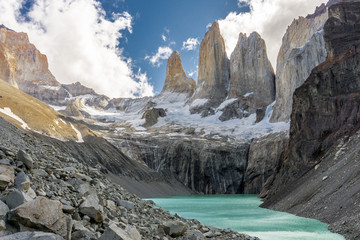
(120,47)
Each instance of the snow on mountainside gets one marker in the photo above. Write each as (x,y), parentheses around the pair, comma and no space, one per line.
(178,113)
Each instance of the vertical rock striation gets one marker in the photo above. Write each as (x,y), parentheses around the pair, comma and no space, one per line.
(324,132)
(302,49)
(251,70)
(213,78)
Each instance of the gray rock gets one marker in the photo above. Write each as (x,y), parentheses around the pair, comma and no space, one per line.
(3,209)
(302,49)
(83,234)
(68,209)
(25,158)
(6,176)
(39,173)
(264,154)
(32,236)
(91,207)
(22,182)
(251,71)
(42,214)
(16,198)
(260,114)
(115,233)
(174,228)
(126,204)
(151,116)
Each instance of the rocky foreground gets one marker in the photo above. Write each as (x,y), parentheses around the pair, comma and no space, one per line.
(48,194)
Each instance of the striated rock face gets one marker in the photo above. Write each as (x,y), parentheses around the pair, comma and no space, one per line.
(325,123)
(207,166)
(302,49)
(213,78)
(176,80)
(251,70)
(264,154)
(23,66)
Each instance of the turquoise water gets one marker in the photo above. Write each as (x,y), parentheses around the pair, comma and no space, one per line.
(243,214)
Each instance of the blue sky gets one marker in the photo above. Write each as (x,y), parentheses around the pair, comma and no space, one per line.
(177,21)
(111,45)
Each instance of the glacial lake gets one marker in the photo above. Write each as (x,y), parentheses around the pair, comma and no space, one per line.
(243,214)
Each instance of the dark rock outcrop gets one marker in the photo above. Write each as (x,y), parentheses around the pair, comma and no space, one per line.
(152,115)
(203,165)
(325,123)
(263,155)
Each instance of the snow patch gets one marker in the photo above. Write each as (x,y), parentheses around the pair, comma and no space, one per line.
(199,102)
(226,102)
(7,111)
(78,133)
(248,94)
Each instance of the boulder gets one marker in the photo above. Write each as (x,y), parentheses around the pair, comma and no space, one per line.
(41,214)
(151,116)
(91,207)
(6,176)
(15,198)
(126,204)
(3,209)
(116,233)
(32,236)
(25,158)
(174,228)
(22,182)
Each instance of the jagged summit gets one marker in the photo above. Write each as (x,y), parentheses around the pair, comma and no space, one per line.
(213,78)
(176,79)
(251,71)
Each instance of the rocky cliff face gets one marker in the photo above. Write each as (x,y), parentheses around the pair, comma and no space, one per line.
(176,80)
(213,78)
(263,156)
(325,115)
(23,66)
(302,49)
(203,165)
(251,70)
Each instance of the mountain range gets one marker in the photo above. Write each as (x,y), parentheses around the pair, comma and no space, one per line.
(290,135)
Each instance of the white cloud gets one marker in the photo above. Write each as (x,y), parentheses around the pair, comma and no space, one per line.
(163,37)
(192,73)
(269,18)
(190,44)
(162,53)
(80,43)
(243,3)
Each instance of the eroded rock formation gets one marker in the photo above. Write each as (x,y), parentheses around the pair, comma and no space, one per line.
(251,71)
(302,49)
(213,78)
(176,80)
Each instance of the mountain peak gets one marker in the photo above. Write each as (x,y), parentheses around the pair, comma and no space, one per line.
(176,79)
